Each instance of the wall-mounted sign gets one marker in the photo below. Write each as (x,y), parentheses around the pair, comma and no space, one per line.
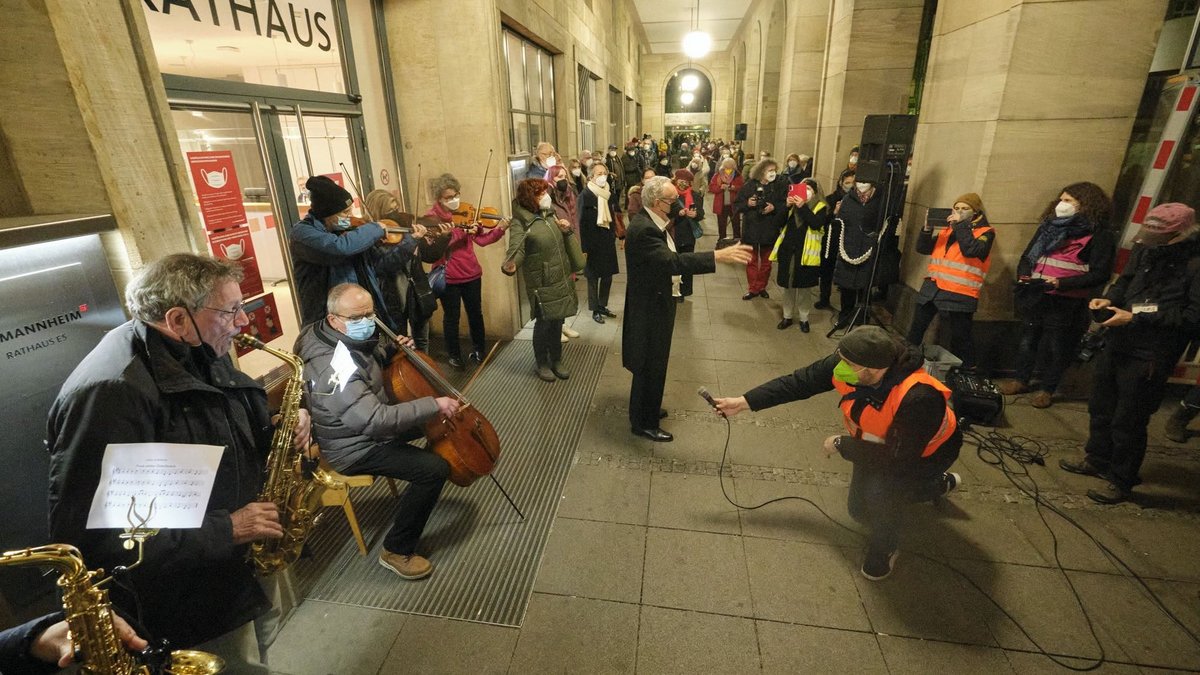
(235,244)
(217,189)
(264,320)
(384,176)
(303,26)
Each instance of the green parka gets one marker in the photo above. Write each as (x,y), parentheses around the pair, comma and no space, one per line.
(546,257)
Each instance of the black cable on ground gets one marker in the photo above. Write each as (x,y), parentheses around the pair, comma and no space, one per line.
(999,450)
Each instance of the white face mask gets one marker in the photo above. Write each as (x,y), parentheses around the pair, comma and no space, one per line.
(770,176)
(544,201)
(600,180)
(612,153)
(632,153)
(724,154)
(576,172)
(862,187)
(550,161)
(452,204)
(792,165)
(587,162)
(853,160)
(1064,209)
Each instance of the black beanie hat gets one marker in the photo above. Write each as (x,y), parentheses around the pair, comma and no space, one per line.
(870,347)
(326,197)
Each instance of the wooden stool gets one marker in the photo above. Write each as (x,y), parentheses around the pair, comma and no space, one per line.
(337,493)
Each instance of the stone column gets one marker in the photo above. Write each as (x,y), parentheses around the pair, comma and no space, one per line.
(800,77)
(1021,99)
(451,95)
(871,49)
(93,132)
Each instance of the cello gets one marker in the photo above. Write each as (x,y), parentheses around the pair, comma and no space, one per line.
(467,440)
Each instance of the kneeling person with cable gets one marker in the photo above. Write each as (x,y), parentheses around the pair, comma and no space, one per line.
(902,435)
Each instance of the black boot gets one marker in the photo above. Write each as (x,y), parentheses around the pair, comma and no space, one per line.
(1178,421)
(543,364)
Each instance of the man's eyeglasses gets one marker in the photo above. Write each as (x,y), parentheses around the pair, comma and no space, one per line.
(231,314)
(360,317)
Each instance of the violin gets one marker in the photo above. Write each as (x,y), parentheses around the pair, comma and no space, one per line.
(394,231)
(467,215)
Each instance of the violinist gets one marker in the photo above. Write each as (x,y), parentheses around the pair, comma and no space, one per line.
(360,432)
(464,276)
(327,250)
(402,278)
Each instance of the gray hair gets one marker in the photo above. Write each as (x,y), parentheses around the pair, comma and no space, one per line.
(654,189)
(337,293)
(759,172)
(178,280)
(595,166)
(439,185)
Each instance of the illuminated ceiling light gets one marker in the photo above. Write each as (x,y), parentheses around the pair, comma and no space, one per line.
(697,44)
(689,83)
(686,98)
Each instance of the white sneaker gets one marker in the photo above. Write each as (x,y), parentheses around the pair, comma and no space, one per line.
(563,338)
(569,332)
(953,480)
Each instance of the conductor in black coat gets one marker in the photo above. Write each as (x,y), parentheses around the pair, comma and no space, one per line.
(651,260)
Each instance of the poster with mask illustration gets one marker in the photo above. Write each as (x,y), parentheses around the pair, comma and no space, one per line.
(264,320)
(236,245)
(217,189)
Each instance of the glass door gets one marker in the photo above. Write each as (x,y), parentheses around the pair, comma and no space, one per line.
(248,164)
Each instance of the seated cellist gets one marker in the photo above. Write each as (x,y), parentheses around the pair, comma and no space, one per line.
(359,431)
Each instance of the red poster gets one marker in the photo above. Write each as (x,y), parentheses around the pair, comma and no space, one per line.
(217,189)
(264,320)
(336,177)
(236,245)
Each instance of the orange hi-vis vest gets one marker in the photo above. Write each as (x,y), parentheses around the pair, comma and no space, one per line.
(954,272)
(873,425)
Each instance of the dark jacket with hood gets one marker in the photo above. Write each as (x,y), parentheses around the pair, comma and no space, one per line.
(1164,283)
(547,257)
(322,259)
(758,228)
(352,418)
(139,386)
(918,419)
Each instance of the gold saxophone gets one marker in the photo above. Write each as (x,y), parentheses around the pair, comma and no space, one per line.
(89,618)
(294,483)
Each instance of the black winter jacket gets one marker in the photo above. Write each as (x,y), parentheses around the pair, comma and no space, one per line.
(759,229)
(918,418)
(858,233)
(138,386)
(1164,282)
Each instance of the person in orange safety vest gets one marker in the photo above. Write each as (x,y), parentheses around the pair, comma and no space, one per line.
(958,264)
(901,434)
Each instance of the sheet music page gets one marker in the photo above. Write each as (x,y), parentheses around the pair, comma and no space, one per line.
(177,477)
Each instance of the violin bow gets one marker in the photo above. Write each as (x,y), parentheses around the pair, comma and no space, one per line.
(357,193)
(487,167)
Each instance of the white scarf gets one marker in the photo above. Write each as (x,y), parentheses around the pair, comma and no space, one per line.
(603,216)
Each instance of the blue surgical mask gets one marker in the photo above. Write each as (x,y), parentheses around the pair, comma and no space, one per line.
(360,329)
(846,373)
(343,223)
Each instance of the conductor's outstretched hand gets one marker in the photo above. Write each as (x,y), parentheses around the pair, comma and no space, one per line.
(738,254)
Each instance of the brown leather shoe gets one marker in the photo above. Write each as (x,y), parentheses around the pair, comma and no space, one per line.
(1041,400)
(1010,387)
(409,567)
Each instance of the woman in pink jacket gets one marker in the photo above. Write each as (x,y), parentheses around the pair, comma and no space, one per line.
(464,276)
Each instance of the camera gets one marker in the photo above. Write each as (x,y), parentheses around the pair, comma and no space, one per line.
(760,198)
(1091,343)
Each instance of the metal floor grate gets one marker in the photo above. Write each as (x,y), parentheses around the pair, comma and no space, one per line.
(485,558)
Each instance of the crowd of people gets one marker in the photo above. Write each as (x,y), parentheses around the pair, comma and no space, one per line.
(164,376)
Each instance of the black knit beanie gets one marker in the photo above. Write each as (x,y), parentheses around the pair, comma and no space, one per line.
(326,197)
(870,347)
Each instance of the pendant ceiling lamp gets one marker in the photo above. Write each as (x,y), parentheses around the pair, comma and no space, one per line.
(697,43)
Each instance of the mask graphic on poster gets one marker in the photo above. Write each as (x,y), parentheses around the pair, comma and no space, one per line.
(233,251)
(215,179)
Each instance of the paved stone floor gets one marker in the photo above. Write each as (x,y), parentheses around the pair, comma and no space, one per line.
(650,570)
